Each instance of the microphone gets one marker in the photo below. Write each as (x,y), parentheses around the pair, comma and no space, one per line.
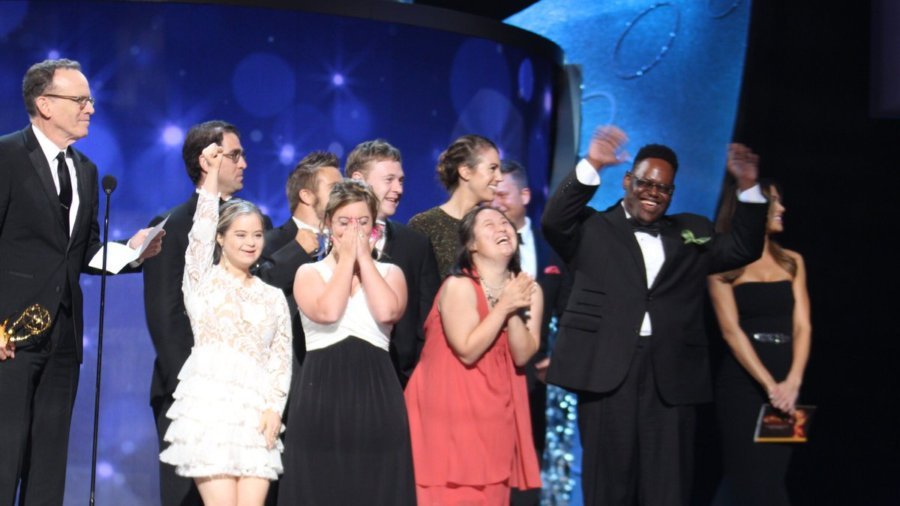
(109,184)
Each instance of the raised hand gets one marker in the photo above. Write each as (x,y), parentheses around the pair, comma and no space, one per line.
(606,147)
(345,246)
(743,164)
(364,244)
(212,155)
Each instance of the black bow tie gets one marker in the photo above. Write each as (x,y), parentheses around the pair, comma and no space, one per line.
(650,228)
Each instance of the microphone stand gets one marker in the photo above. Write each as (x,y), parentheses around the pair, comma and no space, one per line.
(109,185)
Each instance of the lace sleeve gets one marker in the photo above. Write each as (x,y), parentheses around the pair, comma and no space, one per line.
(198,259)
(280,359)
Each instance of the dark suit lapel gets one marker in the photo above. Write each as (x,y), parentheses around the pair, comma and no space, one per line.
(671,241)
(84,196)
(388,240)
(42,168)
(616,217)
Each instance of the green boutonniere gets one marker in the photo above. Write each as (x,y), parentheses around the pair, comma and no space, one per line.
(689,238)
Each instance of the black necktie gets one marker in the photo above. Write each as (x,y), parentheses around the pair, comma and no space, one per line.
(650,228)
(65,188)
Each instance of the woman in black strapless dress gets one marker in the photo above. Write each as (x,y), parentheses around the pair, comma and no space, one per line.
(763,311)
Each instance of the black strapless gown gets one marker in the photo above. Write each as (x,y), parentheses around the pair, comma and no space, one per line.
(754,473)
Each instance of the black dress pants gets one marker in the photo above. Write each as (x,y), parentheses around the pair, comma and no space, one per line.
(37,395)
(636,448)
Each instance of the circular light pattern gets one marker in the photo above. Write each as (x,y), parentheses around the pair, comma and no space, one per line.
(641,44)
(172,136)
(53,54)
(337,79)
(105,470)
(286,154)
(263,84)
(256,135)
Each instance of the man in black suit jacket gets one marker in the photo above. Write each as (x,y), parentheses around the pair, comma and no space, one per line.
(48,235)
(631,340)
(540,262)
(379,164)
(167,320)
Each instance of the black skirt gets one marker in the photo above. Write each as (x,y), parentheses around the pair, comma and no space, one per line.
(347,440)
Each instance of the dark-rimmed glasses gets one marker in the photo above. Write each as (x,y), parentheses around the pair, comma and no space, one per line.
(236,155)
(646,184)
(81,101)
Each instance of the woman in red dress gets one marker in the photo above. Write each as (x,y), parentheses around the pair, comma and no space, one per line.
(467,401)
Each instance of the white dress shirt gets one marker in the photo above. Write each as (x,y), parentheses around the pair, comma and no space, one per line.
(51,151)
(528,249)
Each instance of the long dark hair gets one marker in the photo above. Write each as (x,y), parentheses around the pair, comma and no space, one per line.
(464,265)
(728,204)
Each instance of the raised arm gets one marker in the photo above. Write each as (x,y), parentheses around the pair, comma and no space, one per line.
(198,258)
(325,302)
(566,209)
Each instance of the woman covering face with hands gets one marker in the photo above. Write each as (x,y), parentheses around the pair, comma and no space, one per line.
(467,398)
(232,389)
(352,444)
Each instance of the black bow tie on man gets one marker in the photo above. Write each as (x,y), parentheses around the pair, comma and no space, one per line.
(650,228)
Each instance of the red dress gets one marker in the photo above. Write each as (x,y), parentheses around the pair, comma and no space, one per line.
(470,425)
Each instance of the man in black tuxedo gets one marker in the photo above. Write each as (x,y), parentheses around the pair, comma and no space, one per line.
(540,262)
(379,164)
(167,320)
(48,235)
(631,340)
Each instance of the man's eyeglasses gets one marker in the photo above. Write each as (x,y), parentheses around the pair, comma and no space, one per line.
(646,184)
(81,101)
(236,155)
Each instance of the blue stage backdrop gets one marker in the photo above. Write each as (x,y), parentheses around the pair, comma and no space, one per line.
(667,72)
(292,82)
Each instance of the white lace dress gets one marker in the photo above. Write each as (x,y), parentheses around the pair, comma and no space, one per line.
(240,365)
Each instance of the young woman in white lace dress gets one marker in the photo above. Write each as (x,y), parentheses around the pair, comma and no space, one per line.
(232,390)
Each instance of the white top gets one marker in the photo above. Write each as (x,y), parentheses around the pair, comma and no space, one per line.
(357,320)
(251,318)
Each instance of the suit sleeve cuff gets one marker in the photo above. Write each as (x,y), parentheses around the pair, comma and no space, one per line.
(752,195)
(587,174)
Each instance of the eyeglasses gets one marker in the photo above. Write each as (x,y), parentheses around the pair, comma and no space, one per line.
(81,101)
(646,184)
(236,155)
